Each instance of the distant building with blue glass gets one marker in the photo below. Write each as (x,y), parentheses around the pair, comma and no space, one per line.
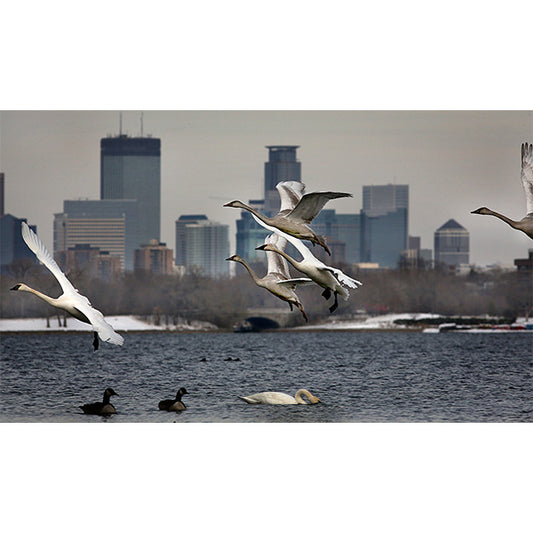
(384,224)
(130,168)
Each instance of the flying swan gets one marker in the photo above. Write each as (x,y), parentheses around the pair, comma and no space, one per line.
(280,398)
(526,224)
(277,280)
(295,221)
(71,300)
(331,279)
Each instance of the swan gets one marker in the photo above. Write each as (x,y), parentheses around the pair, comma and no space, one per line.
(174,405)
(277,280)
(101,408)
(280,398)
(71,300)
(330,278)
(526,224)
(295,221)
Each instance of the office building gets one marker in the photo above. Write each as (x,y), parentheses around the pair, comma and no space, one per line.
(90,260)
(130,168)
(451,245)
(110,225)
(343,235)
(12,245)
(282,165)
(384,224)
(202,244)
(155,258)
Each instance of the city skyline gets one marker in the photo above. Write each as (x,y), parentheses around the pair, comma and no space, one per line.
(453,162)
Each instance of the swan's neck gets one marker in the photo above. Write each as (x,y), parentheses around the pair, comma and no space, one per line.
(513,223)
(250,271)
(46,298)
(291,260)
(305,393)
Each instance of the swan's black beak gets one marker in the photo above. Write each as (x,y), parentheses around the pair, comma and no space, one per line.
(15,288)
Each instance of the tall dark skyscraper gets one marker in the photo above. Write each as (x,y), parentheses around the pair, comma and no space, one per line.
(282,165)
(130,168)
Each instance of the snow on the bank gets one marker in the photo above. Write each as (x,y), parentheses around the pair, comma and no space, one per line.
(119,323)
(375,322)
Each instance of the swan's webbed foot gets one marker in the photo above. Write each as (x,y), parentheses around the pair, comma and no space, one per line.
(326,293)
(290,305)
(335,304)
(95,341)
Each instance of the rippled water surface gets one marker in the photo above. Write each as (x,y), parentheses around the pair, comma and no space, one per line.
(360,377)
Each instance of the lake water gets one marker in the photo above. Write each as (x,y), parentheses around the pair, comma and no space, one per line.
(359,376)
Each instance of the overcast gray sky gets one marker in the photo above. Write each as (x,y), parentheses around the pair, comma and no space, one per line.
(453,162)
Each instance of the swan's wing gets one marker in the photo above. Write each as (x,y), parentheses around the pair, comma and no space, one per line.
(312,203)
(43,255)
(342,277)
(96,318)
(275,262)
(527,174)
(290,193)
(293,283)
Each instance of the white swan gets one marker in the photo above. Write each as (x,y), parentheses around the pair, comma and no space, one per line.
(330,278)
(277,280)
(526,224)
(280,398)
(295,221)
(71,300)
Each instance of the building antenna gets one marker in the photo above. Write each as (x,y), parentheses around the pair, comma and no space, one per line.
(120,124)
(141,123)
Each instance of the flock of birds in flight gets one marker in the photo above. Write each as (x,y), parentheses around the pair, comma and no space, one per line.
(290,224)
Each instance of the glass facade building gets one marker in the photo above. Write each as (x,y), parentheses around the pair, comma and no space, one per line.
(130,168)
(452,244)
(203,244)
(282,165)
(384,224)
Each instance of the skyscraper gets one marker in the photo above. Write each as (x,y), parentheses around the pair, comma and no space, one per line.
(384,223)
(452,244)
(202,243)
(130,168)
(282,165)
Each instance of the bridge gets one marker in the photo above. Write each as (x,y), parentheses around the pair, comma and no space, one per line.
(262,318)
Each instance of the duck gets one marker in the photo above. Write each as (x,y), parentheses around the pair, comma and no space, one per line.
(295,220)
(332,280)
(525,224)
(277,280)
(176,404)
(71,301)
(280,398)
(103,408)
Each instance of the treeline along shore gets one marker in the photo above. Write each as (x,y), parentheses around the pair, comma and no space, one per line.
(225,301)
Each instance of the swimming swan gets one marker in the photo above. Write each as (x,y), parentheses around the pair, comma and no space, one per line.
(280,398)
(174,405)
(71,300)
(101,408)
(295,221)
(277,280)
(526,224)
(331,279)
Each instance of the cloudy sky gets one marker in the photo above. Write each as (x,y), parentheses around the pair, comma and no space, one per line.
(453,162)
